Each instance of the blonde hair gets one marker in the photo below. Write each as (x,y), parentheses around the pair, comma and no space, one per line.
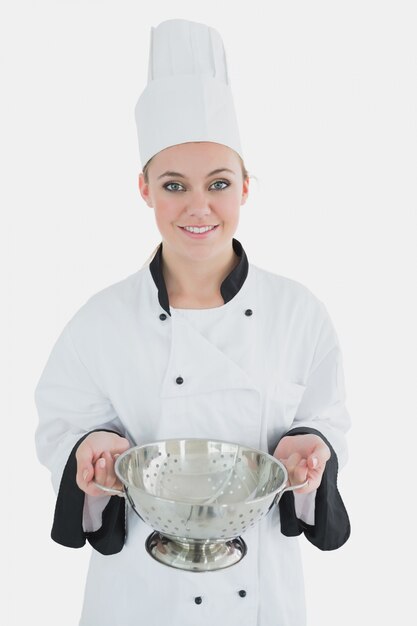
(145,173)
(149,259)
(245,173)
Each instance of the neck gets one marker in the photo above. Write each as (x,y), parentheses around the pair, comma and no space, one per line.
(194,283)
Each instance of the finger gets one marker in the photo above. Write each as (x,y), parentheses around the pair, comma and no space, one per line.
(317,463)
(313,462)
(120,445)
(296,468)
(85,470)
(104,473)
(91,449)
(319,457)
(99,477)
(101,471)
(116,483)
(299,474)
(303,476)
(84,476)
(314,477)
(292,461)
(111,476)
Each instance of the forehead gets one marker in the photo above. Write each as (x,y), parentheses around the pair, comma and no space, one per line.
(195,157)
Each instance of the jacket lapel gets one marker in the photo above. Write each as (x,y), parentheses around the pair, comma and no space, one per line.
(201,365)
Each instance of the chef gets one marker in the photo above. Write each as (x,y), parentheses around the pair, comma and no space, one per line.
(198,343)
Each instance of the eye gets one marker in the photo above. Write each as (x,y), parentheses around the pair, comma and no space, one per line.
(168,185)
(221,182)
(173,186)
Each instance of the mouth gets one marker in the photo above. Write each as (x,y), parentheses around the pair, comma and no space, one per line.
(199,232)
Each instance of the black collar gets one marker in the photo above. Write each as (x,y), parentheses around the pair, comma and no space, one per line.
(228,289)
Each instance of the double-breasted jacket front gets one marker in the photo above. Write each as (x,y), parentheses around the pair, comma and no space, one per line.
(264,364)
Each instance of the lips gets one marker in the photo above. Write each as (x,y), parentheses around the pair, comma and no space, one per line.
(198,229)
(198,232)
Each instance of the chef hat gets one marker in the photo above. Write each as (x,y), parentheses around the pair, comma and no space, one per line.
(188,96)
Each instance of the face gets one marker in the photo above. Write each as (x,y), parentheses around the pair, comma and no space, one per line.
(194,186)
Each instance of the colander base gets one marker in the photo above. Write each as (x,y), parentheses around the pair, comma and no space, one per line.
(195,556)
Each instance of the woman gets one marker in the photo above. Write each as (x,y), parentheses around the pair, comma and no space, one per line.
(200,343)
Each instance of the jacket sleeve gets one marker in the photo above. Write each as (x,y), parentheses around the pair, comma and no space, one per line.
(68,528)
(70,405)
(322,412)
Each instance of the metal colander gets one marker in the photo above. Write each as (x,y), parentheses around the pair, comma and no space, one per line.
(199,496)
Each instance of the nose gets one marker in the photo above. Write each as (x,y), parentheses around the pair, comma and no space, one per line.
(198,204)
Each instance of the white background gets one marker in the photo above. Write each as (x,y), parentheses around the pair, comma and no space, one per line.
(326,99)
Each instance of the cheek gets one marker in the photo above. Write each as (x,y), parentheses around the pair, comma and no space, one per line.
(229,210)
(165,214)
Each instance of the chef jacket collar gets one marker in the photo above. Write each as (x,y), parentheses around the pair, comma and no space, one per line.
(228,289)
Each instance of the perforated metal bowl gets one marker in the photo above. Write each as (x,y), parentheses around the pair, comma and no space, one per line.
(199,496)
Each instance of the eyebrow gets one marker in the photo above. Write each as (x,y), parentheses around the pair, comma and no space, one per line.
(178,175)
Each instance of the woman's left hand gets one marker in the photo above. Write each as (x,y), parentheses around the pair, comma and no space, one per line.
(305,458)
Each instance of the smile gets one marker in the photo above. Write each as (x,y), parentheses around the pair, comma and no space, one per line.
(197,229)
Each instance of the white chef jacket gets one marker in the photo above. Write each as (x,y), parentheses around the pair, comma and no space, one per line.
(265,363)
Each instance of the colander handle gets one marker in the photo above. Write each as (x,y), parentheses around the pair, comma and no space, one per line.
(110,490)
(289,488)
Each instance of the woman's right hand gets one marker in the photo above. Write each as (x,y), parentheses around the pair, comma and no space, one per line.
(95,461)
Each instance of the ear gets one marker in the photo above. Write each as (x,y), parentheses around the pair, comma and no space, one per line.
(144,190)
(245,191)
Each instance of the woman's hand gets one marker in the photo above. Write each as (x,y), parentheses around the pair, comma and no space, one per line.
(305,458)
(95,461)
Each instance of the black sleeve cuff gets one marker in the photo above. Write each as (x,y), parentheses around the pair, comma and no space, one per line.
(332,527)
(67,528)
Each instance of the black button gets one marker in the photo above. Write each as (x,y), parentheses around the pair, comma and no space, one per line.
(179,380)
(162,316)
(242,593)
(248,312)
(198,600)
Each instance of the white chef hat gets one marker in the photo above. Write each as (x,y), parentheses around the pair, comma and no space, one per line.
(188,96)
